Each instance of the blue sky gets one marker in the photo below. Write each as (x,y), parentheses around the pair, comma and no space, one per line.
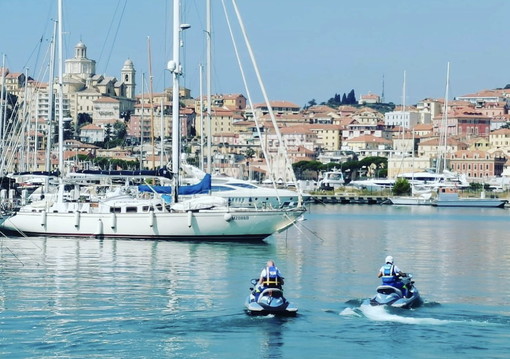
(305,49)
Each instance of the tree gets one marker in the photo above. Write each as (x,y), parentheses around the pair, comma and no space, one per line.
(120,130)
(351,98)
(311,103)
(335,101)
(307,166)
(401,187)
(249,153)
(83,118)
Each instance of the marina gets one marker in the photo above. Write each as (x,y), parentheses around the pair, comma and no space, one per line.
(169,222)
(81,297)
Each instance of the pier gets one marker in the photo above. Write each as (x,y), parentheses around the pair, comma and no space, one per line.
(348,199)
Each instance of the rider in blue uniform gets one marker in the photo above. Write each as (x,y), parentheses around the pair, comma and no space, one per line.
(391,274)
(270,277)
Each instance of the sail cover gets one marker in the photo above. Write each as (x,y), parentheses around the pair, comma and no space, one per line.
(204,186)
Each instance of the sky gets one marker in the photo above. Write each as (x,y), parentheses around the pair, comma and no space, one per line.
(304,50)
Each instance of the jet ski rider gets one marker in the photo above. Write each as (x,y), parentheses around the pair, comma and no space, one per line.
(270,277)
(391,274)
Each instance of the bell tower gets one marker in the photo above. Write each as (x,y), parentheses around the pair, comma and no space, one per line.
(128,78)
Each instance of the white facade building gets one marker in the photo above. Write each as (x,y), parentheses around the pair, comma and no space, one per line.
(406,119)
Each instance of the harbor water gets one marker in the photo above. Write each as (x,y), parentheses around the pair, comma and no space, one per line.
(90,298)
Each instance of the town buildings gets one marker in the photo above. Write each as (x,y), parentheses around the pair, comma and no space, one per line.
(470,133)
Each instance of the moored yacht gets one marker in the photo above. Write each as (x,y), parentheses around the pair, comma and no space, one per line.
(126,215)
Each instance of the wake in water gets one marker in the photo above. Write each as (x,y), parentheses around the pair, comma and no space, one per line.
(379,313)
(362,309)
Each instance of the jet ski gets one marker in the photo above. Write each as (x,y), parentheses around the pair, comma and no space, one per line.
(407,297)
(268,301)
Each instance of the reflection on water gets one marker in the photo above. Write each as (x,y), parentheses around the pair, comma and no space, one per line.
(74,297)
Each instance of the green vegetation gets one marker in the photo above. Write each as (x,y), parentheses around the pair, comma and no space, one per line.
(106,163)
(369,166)
(401,187)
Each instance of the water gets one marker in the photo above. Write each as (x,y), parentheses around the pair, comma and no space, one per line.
(86,298)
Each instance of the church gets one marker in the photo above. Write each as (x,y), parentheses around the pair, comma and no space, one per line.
(103,98)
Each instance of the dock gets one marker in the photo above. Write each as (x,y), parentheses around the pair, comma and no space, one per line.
(348,199)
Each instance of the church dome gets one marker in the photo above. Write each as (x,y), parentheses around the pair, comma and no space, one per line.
(128,63)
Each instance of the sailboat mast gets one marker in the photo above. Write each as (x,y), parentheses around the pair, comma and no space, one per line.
(446,114)
(151,100)
(201,119)
(26,125)
(141,122)
(175,68)
(208,86)
(60,93)
(50,100)
(2,104)
(162,132)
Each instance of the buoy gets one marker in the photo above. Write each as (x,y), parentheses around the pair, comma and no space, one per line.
(227,217)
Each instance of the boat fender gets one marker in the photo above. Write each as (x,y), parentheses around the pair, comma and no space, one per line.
(43,218)
(152,218)
(190,218)
(114,221)
(76,219)
(227,217)
(99,231)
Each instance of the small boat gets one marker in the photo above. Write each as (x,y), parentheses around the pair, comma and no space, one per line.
(449,197)
(392,296)
(332,179)
(416,199)
(374,185)
(269,301)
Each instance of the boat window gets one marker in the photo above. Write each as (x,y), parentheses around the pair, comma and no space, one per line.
(145,208)
(220,188)
(242,185)
(115,209)
(335,176)
(131,210)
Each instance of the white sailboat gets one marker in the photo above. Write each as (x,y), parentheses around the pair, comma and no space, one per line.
(124,216)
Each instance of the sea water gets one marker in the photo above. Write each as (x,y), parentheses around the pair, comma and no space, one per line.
(89,298)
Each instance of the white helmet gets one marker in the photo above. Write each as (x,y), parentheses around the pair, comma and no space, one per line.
(389,259)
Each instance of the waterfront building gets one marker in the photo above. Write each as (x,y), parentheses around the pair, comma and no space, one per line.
(398,164)
(477,164)
(433,147)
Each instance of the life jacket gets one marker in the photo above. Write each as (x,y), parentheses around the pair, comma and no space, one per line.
(271,279)
(388,276)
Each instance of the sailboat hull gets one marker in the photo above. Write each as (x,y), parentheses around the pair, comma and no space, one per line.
(211,225)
